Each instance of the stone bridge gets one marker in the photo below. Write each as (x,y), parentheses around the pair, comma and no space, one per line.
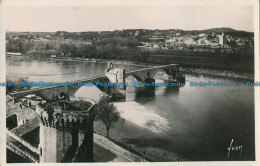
(56,92)
(149,73)
(113,75)
(118,75)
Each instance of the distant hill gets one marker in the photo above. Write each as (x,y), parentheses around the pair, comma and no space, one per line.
(220,30)
(226,30)
(132,32)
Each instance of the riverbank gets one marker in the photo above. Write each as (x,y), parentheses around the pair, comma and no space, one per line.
(149,153)
(195,70)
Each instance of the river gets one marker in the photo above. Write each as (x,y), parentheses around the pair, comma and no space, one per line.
(197,123)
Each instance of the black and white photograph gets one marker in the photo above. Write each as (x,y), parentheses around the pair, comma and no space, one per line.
(130,82)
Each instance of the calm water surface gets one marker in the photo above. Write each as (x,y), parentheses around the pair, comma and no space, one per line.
(196,122)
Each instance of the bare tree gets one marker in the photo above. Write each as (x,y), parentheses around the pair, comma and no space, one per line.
(107,113)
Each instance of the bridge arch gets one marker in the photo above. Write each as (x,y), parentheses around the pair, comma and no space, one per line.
(136,77)
(62,95)
(90,92)
(160,69)
(47,93)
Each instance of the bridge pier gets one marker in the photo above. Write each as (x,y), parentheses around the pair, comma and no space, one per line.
(119,92)
(175,77)
(118,75)
(145,91)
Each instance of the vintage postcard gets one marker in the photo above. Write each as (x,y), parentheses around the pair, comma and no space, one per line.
(169,82)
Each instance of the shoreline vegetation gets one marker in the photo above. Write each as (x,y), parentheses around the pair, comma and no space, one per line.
(185,68)
(216,48)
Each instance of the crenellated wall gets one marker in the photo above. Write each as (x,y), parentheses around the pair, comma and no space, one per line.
(59,131)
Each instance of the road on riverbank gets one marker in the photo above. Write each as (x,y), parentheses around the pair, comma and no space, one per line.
(107,151)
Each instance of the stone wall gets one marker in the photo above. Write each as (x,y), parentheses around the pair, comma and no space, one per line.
(53,143)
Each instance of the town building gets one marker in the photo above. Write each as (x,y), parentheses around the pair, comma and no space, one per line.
(222,39)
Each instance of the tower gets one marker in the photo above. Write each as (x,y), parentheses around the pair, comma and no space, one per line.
(222,39)
(116,75)
(66,135)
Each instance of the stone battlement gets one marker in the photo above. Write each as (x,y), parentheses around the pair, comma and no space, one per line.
(64,118)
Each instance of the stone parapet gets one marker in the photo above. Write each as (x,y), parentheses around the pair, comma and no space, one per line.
(65,119)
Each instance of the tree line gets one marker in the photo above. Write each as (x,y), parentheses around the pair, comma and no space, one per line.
(106,48)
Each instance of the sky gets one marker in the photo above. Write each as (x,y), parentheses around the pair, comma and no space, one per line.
(106,18)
